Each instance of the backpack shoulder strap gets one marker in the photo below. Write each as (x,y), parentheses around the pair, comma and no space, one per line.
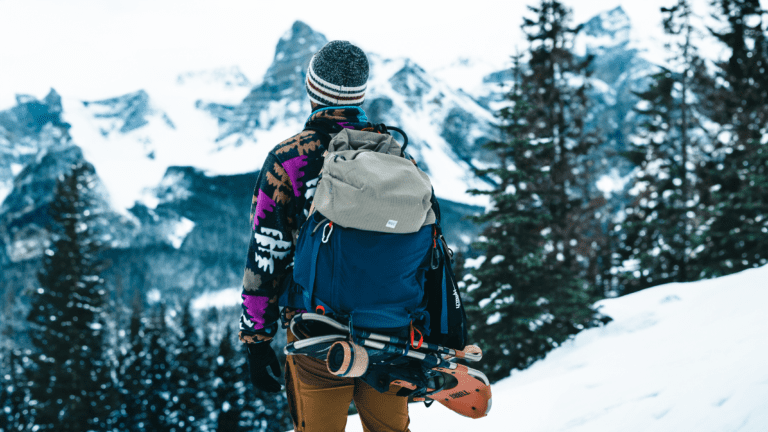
(323,128)
(326,128)
(436,209)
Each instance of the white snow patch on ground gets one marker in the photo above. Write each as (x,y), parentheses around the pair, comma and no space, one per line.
(677,358)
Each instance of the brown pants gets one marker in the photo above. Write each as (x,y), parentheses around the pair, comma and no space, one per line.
(319,401)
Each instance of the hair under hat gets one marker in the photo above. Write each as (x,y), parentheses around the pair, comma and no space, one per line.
(337,75)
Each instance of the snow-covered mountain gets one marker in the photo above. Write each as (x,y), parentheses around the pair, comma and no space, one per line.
(619,69)
(218,123)
(446,127)
(160,148)
(25,130)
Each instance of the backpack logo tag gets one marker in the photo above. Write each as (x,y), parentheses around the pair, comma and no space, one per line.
(391,224)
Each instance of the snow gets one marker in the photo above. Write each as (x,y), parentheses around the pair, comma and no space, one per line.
(5,190)
(225,298)
(466,73)
(450,177)
(154,296)
(180,231)
(474,263)
(613,182)
(676,358)
(497,259)
(16,168)
(123,161)
(109,64)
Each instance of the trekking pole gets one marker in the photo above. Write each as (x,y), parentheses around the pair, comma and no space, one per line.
(429,360)
(470,352)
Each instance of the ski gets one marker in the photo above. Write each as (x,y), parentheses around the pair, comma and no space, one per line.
(424,371)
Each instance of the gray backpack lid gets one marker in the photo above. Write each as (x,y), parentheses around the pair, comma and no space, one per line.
(367,185)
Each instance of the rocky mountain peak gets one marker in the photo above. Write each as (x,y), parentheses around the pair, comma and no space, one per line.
(30,115)
(298,43)
(607,37)
(610,27)
(26,130)
(412,82)
(292,55)
(124,113)
(24,219)
(283,81)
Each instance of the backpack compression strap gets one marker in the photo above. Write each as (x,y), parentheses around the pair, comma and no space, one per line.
(324,129)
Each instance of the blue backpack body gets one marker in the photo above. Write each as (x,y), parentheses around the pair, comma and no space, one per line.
(374,279)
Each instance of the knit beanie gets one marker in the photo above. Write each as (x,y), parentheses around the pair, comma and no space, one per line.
(337,75)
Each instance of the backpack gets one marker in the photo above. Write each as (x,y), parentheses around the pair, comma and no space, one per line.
(445,307)
(371,251)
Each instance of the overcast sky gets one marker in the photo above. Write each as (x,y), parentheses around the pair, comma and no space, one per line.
(100,48)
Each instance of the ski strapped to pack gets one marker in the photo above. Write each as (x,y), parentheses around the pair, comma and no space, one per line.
(361,354)
(392,344)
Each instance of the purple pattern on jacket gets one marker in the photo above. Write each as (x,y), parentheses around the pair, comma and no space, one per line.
(277,214)
(256,305)
(293,168)
(263,204)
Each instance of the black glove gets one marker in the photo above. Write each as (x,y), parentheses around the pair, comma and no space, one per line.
(260,358)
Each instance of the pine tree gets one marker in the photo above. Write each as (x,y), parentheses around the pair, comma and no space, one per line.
(738,173)
(664,221)
(7,411)
(14,376)
(14,394)
(189,375)
(5,390)
(133,373)
(158,363)
(529,292)
(71,387)
(559,83)
(230,390)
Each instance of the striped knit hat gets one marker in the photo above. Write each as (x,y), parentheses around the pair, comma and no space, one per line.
(337,75)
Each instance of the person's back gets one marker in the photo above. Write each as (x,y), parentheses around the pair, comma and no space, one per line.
(336,84)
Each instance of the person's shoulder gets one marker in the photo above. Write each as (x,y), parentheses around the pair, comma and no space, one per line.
(304,143)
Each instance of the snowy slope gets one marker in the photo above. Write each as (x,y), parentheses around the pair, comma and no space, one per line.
(676,358)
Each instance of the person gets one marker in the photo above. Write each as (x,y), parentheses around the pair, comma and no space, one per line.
(336,82)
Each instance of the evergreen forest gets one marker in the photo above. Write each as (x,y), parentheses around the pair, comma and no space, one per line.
(551,244)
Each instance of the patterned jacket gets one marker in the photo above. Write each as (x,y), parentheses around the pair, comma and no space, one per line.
(281,201)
